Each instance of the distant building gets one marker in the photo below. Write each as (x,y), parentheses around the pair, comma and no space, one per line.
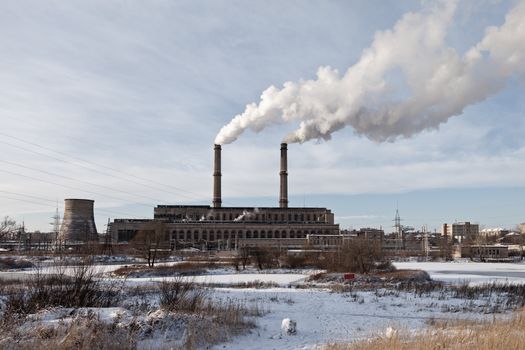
(461,231)
(485,252)
(493,232)
(512,238)
(366,232)
(225,228)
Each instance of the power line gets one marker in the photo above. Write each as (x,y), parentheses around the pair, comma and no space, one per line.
(54,202)
(163,188)
(86,182)
(26,195)
(74,188)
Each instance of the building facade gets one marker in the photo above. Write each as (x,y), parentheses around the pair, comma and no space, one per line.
(226,227)
(218,227)
(461,231)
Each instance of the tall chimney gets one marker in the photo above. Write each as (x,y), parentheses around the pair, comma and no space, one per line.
(217,177)
(283,198)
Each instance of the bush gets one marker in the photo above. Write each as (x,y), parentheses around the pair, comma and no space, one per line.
(80,289)
(84,332)
(180,295)
(359,255)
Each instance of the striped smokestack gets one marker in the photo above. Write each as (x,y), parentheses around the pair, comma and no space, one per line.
(217,201)
(283,197)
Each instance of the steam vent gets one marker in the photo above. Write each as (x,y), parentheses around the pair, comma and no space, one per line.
(78,224)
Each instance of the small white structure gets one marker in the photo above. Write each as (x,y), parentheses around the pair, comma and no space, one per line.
(390,333)
(288,327)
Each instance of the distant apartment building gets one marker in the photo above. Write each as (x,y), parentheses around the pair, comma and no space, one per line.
(461,231)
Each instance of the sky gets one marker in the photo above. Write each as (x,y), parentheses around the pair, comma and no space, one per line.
(121,101)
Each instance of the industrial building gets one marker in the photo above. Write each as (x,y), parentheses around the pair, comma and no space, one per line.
(218,227)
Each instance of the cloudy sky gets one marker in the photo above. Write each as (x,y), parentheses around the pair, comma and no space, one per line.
(121,101)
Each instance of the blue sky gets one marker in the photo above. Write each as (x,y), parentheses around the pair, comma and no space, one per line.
(144,87)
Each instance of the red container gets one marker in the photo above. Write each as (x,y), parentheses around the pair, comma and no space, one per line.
(349,276)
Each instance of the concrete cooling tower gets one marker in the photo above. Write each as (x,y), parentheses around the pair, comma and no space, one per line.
(78,223)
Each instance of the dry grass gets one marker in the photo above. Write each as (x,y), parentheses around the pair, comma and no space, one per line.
(82,333)
(180,295)
(80,288)
(10,263)
(222,319)
(506,334)
(184,268)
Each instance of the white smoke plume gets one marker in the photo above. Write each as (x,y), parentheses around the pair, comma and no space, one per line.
(407,81)
(247,215)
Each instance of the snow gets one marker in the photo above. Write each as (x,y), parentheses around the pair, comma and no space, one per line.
(282,279)
(288,327)
(323,316)
(465,271)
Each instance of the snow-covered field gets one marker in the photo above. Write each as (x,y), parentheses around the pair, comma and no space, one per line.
(229,278)
(323,315)
(467,271)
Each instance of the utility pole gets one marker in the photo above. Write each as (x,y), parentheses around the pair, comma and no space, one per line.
(56,224)
(398,230)
(108,249)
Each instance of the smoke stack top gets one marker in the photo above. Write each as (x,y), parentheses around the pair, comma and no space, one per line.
(435,82)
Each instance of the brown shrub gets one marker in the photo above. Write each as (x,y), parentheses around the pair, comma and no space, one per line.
(358,255)
(180,295)
(184,268)
(79,289)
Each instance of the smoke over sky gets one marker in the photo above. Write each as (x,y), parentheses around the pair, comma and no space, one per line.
(406,81)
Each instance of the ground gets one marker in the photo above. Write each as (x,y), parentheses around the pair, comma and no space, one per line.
(324,311)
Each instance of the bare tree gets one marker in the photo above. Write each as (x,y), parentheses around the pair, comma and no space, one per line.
(359,255)
(7,227)
(244,256)
(151,243)
(445,247)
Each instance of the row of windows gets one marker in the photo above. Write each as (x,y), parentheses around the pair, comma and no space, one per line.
(249,217)
(212,236)
(490,252)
